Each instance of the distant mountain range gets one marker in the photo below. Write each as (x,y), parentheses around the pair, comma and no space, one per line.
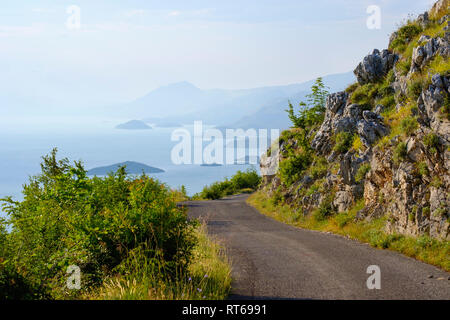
(131,168)
(183,103)
(133,125)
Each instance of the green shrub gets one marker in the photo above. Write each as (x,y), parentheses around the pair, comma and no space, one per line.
(246,180)
(67,218)
(241,181)
(292,168)
(409,125)
(437,182)
(405,35)
(362,172)
(404,66)
(440,213)
(445,110)
(351,88)
(343,218)
(277,197)
(325,209)
(431,141)
(343,141)
(314,188)
(388,101)
(386,90)
(363,95)
(422,168)
(319,168)
(425,242)
(415,87)
(400,152)
(390,78)
(379,239)
(311,112)
(207,278)
(217,190)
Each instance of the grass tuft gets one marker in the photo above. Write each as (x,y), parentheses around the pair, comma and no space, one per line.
(208,277)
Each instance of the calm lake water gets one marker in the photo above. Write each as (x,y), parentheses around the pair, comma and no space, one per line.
(96,143)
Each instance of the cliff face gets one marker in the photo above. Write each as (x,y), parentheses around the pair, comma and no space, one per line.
(395,126)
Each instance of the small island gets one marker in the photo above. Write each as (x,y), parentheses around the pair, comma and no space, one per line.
(133,125)
(211,165)
(163,122)
(131,168)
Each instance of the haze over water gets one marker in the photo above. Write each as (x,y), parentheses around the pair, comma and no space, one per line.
(96,143)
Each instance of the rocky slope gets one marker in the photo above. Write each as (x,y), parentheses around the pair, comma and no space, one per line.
(384,141)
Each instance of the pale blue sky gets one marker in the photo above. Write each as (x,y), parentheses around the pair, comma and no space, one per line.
(127,48)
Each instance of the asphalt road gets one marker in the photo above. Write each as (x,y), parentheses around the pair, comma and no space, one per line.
(272,260)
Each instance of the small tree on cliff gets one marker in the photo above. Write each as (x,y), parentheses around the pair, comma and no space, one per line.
(312,112)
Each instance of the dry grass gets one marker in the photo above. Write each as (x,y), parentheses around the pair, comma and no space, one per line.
(208,278)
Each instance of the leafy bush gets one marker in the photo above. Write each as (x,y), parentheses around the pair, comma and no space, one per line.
(386,90)
(415,87)
(431,141)
(319,168)
(343,141)
(218,190)
(446,107)
(207,278)
(437,182)
(404,66)
(351,88)
(68,218)
(363,94)
(389,79)
(362,171)
(343,218)
(277,197)
(292,168)
(324,210)
(422,168)
(379,239)
(409,125)
(388,101)
(357,144)
(311,112)
(400,152)
(246,180)
(405,35)
(239,182)
(314,188)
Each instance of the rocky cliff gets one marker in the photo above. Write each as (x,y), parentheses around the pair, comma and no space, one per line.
(384,141)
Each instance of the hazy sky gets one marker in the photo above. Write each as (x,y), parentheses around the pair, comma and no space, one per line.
(126,48)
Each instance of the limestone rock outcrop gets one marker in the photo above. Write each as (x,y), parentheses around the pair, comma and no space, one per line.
(375,66)
(401,174)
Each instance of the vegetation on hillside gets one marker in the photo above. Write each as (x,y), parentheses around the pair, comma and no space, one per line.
(311,112)
(423,248)
(307,183)
(118,230)
(310,116)
(399,111)
(242,182)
